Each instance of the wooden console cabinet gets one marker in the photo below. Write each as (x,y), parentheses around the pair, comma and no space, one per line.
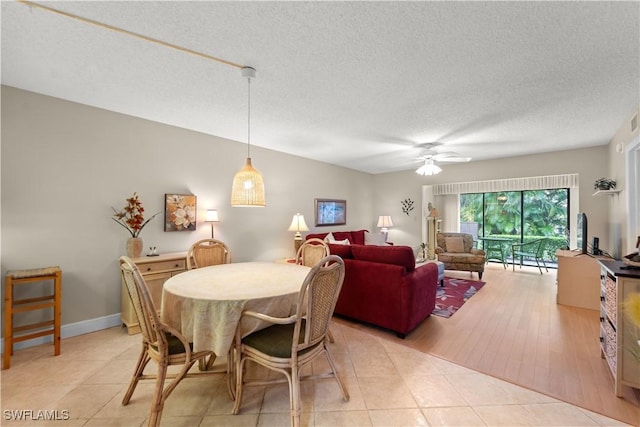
(618,335)
(578,283)
(155,270)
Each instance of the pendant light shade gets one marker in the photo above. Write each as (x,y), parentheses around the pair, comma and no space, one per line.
(248,187)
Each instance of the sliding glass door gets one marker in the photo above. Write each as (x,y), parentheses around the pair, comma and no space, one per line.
(517,216)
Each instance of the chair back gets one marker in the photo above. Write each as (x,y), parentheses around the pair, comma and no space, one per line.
(467,240)
(311,252)
(143,305)
(317,301)
(208,252)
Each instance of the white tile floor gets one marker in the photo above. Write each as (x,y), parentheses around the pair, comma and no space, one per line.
(389,384)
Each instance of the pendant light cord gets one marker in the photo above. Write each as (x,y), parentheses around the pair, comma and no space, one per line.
(249,118)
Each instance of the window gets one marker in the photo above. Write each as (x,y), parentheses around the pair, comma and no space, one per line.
(521,216)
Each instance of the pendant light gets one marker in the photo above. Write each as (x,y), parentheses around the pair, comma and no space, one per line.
(248,187)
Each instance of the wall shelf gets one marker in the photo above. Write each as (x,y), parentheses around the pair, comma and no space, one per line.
(601,193)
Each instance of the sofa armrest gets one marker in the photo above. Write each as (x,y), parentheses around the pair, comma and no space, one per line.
(439,250)
(478,252)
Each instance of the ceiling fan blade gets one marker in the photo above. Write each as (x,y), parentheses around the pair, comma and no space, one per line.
(454,159)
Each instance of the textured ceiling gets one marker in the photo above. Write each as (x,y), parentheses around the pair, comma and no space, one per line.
(356,84)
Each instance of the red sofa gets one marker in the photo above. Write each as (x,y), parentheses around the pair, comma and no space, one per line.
(382,285)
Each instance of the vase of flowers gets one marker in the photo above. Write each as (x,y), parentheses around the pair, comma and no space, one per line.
(132,219)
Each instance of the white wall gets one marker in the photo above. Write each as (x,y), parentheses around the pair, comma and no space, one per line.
(64,165)
(619,217)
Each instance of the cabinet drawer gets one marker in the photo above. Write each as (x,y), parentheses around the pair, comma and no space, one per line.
(154,267)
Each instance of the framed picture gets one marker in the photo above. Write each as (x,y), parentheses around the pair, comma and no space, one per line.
(331,212)
(179,212)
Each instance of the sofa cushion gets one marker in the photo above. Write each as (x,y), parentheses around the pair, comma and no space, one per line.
(341,235)
(396,255)
(357,237)
(343,251)
(454,244)
(461,258)
(320,236)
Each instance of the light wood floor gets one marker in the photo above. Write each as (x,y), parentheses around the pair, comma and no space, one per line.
(513,329)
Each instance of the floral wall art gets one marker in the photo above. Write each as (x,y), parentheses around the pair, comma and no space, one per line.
(180,212)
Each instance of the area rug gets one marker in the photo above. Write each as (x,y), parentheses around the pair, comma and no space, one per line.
(454,293)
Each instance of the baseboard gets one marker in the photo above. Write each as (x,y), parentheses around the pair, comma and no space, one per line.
(72,330)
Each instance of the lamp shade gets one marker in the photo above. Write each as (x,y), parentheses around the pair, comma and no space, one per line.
(385,221)
(429,168)
(212,216)
(298,224)
(434,213)
(248,187)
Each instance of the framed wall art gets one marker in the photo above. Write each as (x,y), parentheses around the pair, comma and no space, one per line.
(331,212)
(179,212)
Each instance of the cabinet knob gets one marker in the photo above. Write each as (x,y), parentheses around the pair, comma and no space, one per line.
(148,268)
(176,266)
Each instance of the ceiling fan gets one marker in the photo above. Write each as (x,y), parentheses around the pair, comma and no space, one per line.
(432,155)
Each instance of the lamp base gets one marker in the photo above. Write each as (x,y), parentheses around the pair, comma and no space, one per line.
(297,242)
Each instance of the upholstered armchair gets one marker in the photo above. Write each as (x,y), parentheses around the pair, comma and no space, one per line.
(456,251)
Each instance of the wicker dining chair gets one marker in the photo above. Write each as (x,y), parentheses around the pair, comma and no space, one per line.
(160,343)
(208,252)
(311,251)
(294,342)
(309,254)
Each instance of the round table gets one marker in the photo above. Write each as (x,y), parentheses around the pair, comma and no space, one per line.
(206,304)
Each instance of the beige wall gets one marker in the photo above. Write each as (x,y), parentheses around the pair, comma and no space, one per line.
(589,163)
(64,165)
(618,205)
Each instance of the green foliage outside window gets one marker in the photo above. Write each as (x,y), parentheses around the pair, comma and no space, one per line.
(520,215)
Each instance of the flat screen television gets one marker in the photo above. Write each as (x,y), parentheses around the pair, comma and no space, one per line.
(582,233)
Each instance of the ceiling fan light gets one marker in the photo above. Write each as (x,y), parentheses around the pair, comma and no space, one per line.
(429,168)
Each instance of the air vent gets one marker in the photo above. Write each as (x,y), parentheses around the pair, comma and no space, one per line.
(634,123)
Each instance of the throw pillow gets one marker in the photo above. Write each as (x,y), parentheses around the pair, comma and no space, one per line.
(341,242)
(374,239)
(454,244)
(329,238)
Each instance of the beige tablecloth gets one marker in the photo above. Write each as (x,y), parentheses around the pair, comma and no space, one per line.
(205,304)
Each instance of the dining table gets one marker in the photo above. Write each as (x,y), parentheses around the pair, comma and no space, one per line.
(206,304)
(496,245)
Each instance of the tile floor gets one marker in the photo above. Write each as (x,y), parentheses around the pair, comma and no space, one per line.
(390,385)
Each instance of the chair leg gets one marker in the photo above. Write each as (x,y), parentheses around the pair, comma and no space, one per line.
(238,374)
(137,373)
(330,336)
(157,404)
(343,387)
(294,396)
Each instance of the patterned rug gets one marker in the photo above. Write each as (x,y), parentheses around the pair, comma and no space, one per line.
(454,293)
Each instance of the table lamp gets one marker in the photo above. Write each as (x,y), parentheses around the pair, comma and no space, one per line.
(298,225)
(212,216)
(384,222)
